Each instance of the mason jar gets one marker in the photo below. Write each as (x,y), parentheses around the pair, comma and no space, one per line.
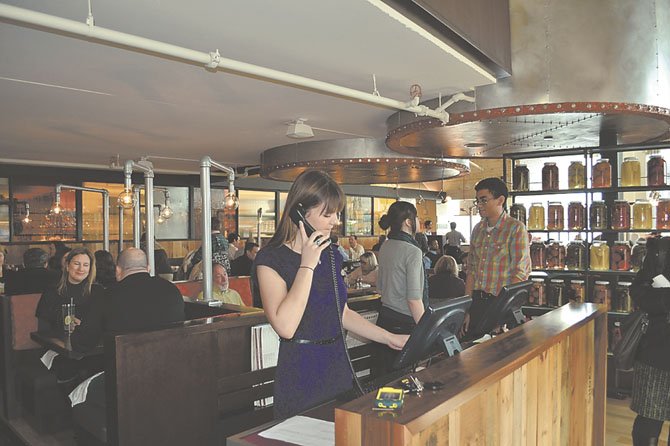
(621,301)
(598,215)
(555,255)
(576,216)
(556,293)
(637,255)
(602,294)
(536,218)
(550,176)
(602,174)
(555,216)
(663,214)
(642,215)
(656,171)
(577,291)
(537,293)
(620,215)
(620,256)
(600,256)
(538,255)
(520,178)
(630,172)
(518,211)
(575,255)
(576,174)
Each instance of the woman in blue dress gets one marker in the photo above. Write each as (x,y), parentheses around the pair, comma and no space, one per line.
(297,277)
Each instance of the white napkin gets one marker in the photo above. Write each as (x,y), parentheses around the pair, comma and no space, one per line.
(660,281)
(78,395)
(48,358)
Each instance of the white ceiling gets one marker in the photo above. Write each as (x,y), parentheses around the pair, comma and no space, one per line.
(134,104)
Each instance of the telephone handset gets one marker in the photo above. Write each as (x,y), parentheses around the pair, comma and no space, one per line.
(297,215)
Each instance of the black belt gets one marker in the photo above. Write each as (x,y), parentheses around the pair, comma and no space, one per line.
(311,341)
(479,294)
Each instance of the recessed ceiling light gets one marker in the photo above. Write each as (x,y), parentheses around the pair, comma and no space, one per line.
(548,137)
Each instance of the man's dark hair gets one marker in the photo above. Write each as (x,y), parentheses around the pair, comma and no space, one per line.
(215,224)
(353,236)
(334,239)
(496,186)
(452,225)
(35,258)
(249,246)
(233,237)
(427,223)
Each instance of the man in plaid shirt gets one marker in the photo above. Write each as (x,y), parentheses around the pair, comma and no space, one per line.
(499,249)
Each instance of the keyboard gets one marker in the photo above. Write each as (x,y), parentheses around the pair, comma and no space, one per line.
(373,385)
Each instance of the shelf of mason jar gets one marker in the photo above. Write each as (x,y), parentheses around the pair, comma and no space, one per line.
(589,190)
(581,272)
(534,310)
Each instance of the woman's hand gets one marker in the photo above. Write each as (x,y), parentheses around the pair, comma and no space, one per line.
(396,341)
(311,247)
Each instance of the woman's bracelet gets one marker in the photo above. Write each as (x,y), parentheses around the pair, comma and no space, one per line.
(308,267)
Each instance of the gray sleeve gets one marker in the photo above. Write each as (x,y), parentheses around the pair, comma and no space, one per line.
(415,272)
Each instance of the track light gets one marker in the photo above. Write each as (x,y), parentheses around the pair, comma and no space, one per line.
(299,130)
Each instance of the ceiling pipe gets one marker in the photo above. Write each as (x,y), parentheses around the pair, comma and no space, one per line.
(148,169)
(231,202)
(211,60)
(105,208)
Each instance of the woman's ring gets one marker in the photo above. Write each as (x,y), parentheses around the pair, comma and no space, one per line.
(317,241)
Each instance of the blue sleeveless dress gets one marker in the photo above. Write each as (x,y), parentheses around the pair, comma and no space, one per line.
(310,374)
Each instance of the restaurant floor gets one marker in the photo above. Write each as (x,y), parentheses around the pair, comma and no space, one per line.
(619,423)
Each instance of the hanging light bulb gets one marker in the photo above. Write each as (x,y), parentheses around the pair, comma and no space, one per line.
(27,219)
(127,199)
(160,219)
(166,211)
(231,202)
(56,209)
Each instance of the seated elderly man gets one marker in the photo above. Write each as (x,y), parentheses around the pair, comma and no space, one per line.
(367,272)
(220,290)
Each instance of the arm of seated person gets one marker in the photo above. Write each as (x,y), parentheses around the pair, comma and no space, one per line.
(87,335)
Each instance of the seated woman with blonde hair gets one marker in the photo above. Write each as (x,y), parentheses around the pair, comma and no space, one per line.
(445,283)
(367,272)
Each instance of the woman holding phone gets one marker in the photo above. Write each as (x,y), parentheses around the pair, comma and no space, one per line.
(304,297)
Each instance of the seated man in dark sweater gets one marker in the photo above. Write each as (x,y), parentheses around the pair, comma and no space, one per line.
(34,277)
(241,266)
(137,302)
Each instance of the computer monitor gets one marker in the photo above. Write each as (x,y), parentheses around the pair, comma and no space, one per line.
(505,309)
(436,330)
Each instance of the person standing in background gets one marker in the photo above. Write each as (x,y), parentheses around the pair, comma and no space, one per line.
(421,237)
(454,238)
(233,250)
(499,250)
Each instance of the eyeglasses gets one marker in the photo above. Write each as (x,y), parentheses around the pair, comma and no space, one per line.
(482,201)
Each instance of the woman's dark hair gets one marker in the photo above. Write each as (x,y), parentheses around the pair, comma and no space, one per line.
(233,237)
(397,214)
(312,189)
(161,262)
(105,267)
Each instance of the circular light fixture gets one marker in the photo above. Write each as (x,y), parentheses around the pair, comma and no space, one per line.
(56,209)
(231,202)
(127,199)
(166,212)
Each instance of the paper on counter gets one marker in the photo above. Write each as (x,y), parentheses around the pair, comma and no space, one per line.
(303,431)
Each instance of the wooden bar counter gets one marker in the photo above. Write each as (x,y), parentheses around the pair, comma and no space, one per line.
(540,384)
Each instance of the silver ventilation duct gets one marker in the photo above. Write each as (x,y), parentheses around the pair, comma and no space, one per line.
(356,161)
(585,73)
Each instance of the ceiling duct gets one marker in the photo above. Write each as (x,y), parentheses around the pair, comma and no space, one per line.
(356,161)
(584,74)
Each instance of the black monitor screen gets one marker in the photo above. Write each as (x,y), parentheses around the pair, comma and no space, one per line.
(435,331)
(506,309)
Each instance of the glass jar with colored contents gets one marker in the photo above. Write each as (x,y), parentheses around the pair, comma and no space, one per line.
(556,293)
(576,174)
(576,216)
(620,256)
(663,214)
(620,215)
(518,211)
(536,217)
(602,294)
(520,177)
(602,174)
(556,255)
(550,176)
(621,301)
(598,215)
(577,291)
(537,293)
(555,216)
(575,255)
(656,171)
(600,256)
(637,254)
(538,255)
(642,215)
(630,172)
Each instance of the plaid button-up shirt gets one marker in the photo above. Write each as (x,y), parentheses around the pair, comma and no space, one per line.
(499,256)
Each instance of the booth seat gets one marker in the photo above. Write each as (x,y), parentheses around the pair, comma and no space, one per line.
(241,284)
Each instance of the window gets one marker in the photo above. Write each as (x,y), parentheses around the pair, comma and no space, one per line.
(4,210)
(225,216)
(42,224)
(381,207)
(358,212)
(257,209)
